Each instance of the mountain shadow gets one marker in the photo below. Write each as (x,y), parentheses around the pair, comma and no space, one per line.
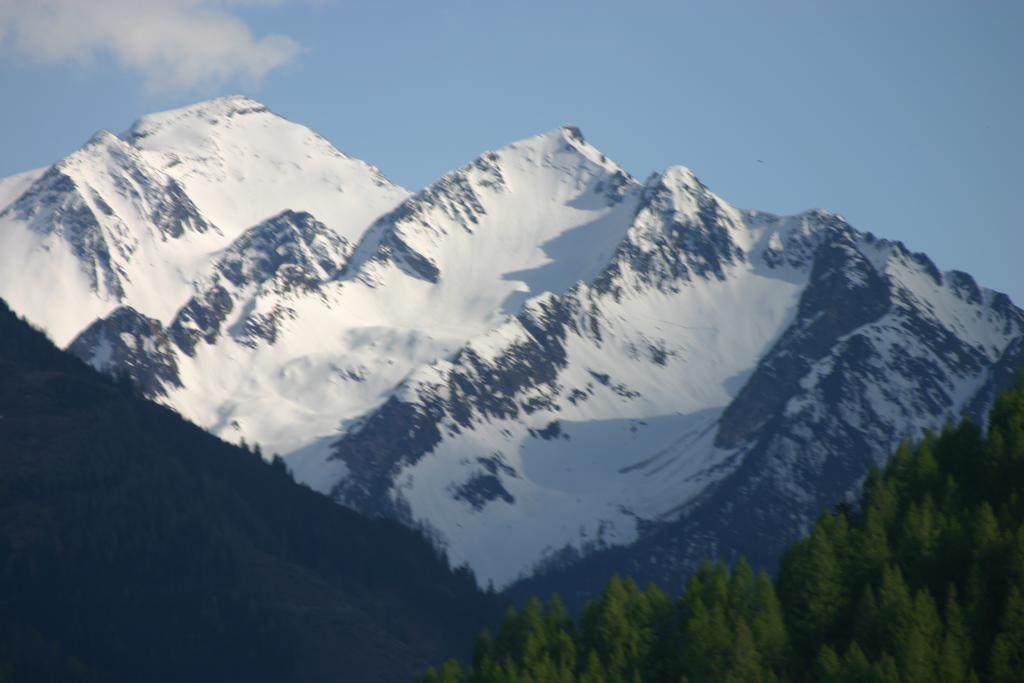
(136,547)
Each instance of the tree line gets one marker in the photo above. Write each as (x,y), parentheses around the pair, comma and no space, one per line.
(134,546)
(922,581)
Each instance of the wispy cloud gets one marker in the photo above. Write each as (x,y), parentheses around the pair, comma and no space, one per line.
(176,44)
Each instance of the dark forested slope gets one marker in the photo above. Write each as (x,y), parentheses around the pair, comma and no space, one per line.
(922,582)
(136,547)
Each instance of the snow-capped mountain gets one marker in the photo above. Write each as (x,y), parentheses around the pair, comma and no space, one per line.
(137,219)
(534,357)
(294,324)
(713,339)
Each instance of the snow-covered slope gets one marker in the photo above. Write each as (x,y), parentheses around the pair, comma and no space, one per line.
(591,409)
(534,357)
(714,339)
(283,365)
(241,164)
(883,345)
(99,227)
(13,186)
(126,221)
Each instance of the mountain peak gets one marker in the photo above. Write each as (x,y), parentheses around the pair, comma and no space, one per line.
(680,176)
(555,147)
(573,132)
(103,137)
(209,112)
(535,336)
(570,185)
(96,153)
(241,163)
(678,190)
(228,105)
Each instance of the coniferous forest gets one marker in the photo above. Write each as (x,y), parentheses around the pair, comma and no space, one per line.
(134,546)
(922,581)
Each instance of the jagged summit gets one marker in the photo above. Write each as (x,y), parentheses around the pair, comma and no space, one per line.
(574,132)
(102,137)
(534,356)
(542,213)
(97,151)
(282,308)
(680,176)
(549,146)
(138,219)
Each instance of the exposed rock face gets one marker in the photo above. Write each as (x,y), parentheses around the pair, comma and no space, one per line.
(74,200)
(874,346)
(291,254)
(537,358)
(287,255)
(141,219)
(127,341)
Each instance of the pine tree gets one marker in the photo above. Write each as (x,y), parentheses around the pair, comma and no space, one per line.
(483,667)
(919,536)
(855,666)
(451,672)
(741,589)
(1015,563)
(887,671)
(508,643)
(920,657)
(924,469)
(768,624)
(931,524)
(745,661)
(870,551)
(866,621)
(985,539)
(812,583)
(707,641)
(531,634)
(828,666)
(594,671)
(1008,648)
(955,658)
(895,611)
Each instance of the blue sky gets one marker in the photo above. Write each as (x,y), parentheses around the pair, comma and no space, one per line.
(903,116)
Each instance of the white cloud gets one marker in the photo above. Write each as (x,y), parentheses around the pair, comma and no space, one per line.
(172,43)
